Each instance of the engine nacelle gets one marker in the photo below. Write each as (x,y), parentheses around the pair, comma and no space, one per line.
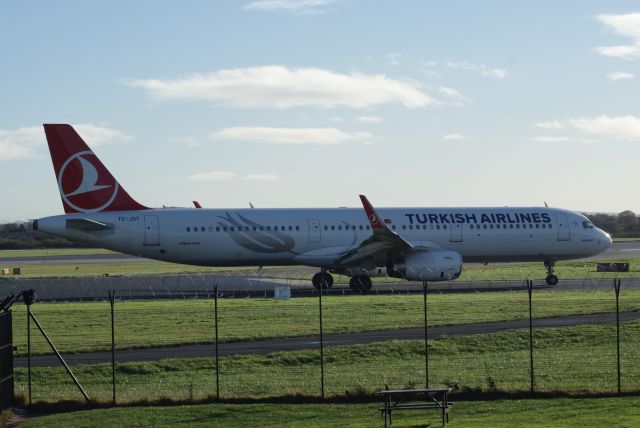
(427,266)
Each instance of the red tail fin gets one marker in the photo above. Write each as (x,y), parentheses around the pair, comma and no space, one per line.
(85,184)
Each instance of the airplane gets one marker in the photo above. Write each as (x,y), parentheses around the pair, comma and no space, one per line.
(415,244)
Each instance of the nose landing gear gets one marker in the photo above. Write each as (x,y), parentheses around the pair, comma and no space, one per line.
(551,279)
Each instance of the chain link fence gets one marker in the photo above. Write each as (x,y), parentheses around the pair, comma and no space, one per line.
(165,337)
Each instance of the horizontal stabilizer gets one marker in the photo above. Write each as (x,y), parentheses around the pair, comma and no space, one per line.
(86,225)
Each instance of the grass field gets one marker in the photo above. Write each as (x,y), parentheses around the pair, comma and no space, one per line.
(600,412)
(76,327)
(55,252)
(573,359)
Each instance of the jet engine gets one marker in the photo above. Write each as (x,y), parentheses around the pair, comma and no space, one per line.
(427,266)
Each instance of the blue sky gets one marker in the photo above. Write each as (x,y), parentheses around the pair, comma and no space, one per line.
(302,103)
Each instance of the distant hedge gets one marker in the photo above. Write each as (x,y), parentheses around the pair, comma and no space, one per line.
(21,236)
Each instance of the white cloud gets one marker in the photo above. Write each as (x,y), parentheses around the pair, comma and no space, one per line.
(495,73)
(265,134)
(552,124)
(261,177)
(186,141)
(454,95)
(24,142)
(620,127)
(280,87)
(620,75)
(394,58)
(547,139)
(96,135)
(295,6)
(370,119)
(626,25)
(211,176)
(454,137)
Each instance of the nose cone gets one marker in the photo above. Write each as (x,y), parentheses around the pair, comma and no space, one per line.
(605,240)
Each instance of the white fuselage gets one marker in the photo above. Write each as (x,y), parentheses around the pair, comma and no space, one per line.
(315,237)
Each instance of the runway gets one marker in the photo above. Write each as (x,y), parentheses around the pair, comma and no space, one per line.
(312,342)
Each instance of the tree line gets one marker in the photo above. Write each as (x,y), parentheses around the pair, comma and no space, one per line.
(19,236)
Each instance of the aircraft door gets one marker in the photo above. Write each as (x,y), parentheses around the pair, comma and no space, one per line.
(456,232)
(314,230)
(151,230)
(564,233)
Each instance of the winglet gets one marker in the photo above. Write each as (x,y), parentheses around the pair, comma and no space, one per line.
(374,218)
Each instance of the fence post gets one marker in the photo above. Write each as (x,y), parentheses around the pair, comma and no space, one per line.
(29,349)
(426,335)
(616,286)
(532,380)
(215,315)
(322,285)
(112,300)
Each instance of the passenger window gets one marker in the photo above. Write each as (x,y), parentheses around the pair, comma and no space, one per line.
(404,227)
(297,227)
(367,227)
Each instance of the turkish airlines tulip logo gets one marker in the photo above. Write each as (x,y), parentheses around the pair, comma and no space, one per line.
(85,184)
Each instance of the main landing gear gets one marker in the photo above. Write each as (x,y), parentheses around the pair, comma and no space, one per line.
(551,278)
(322,279)
(360,284)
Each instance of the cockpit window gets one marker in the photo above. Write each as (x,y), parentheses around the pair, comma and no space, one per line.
(587,224)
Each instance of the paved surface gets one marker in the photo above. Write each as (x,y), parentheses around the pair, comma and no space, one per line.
(312,342)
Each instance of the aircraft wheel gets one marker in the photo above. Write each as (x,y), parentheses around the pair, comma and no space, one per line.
(360,284)
(323,279)
(552,280)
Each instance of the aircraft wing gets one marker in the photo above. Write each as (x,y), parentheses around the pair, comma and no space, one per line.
(383,240)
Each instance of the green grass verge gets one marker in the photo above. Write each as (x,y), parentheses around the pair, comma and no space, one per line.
(47,252)
(76,327)
(600,412)
(571,359)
